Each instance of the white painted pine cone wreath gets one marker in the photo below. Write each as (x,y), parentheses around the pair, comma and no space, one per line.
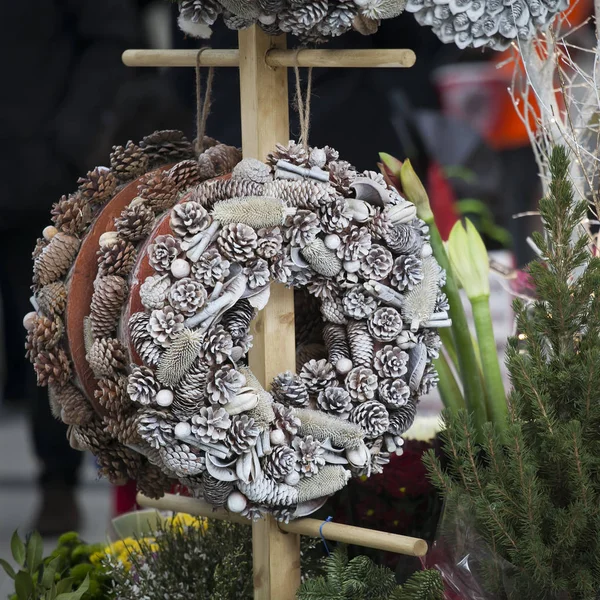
(183,268)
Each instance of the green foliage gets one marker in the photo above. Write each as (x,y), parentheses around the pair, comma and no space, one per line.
(534,495)
(360,579)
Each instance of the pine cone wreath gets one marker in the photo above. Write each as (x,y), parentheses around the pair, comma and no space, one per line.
(107,357)
(52,367)
(71,214)
(372,417)
(280,463)
(111,394)
(97,186)
(109,295)
(55,259)
(218,160)
(116,259)
(135,221)
(128,162)
(158,191)
(289,389)
(52,299)
(167,146)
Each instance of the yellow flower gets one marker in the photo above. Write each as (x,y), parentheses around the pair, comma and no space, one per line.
(183,521)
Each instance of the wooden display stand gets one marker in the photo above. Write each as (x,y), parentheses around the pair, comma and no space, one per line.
(263,62)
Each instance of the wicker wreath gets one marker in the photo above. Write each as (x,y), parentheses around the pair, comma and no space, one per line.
(147,283)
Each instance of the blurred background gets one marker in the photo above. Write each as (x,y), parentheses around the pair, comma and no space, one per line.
(66,99)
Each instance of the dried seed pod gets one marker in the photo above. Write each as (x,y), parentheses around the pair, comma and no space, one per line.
(372,417)
(128,162)
(107,357)
(98,185)
(255,211)
(321,259)
(179,357)
(107,301)
(116,259)
(135,221)
(55,259)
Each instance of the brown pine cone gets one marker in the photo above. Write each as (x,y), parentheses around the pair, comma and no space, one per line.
(56,259)
(107,357)
(45,334)
(111,394)
(40,244)
(218,160)
(89,437)
(135,222)
(74,407)
(167,146)
(158,190)
(52,367)
(123,426)
(52,299)
(117,259)
(118,463)
(109,294)
(185,174)
(152,482)
(98,185)
(71,214)
(128,162)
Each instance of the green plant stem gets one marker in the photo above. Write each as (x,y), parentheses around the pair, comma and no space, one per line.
(496,395)
(449,390)
(448,343)
(467,360)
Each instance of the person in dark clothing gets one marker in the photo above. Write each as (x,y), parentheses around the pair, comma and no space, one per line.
(55,121)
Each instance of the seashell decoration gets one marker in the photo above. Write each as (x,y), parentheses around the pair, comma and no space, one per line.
(181,274)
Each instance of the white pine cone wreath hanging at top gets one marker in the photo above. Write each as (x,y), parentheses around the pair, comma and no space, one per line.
(147,363)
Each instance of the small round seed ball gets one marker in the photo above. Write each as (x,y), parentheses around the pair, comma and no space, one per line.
(182,430)
(29,320)
(236,502)
(165,398)
(293,478)
(426,250)
(332,241)
(49,232)
(343,366)
(108,238)
(180,268)
(352,266)
(277,437)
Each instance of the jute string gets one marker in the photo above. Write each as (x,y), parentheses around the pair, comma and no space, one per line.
(303,102)
(202,104)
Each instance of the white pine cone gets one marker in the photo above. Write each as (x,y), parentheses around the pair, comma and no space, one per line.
(372,417)
(142,386)
(336,401)
(357,304)
(156,427)
(189,219)
(442,304)
(361,343)
(200,11)
(211,424)
(238,318)
(217,345)
(223,384)
(135,222)
(403,238)
(333,311)
(377,263)
(302,228)
(300,19)
(318,375)
(154,291)
(163,252)
(286,419)
(215,492)
(266,491)
(309,455)
(257,272)
(252,169)
(339,19)
(211,268)
(164,325)
(406,340)
(254,512)
(270,242)
(355,244)
(394,392)
(138,328)
(341,175)
(407,272)
(362,384)
(182,459)
(189,395)
(280,463)
(238,242)
(336,342)
(432,341)
(391,361)
(305,193)
(385,324)
(187,296)
(335,216)
(293,153)
(242,434)
(429,381)
(323,288)
(401,419)
(289,389)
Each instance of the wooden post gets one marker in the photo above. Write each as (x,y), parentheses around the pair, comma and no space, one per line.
(265,121)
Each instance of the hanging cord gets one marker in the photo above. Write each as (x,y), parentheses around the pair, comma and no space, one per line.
(327,520)
(303,102)
(202,106)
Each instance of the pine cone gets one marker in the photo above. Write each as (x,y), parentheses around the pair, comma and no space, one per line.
(357,304)
(335,216)
(164,325)
(190,393)
(402,419)
(216,492)
(391,361)
(293,153)
(71,214)
(150,353)
(107,301)
(361,344)
(187,296)
(355,244)
(156,427)
(189,219)
(222,189)
(52,367)
(318,375)
(265,491)
(270,242)
(336,401)
(257,272)
(56,259)
(336,342)
(117,259)
(377,263)
(238,242)
(163,252)
(210,425)
(286,419)
(238,318)
(289,389)
(309,455)
(403,238)
(407,272)
(339,19)
(362,384)
(211,268)
(45,334)
(123,426)
(111,394)
(154,291)
(218,160)
(158,191)
(185,174)
(142,386)
(73,407)
(341,175)
(52,299)
(242,434)
(117,463)
(280,463)
(217,345)
(107,357)
(97,186)
(200,11)
(167,146)
(385,324)
(333,311)
(138,328)
(128,162)
(252,169)
(305,193)
(152,482)
(372,417)
(224,384)
(135,221)
(40,244)
(394,393)
(302,228)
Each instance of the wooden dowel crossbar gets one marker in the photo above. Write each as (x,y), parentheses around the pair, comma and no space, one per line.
(336,532)
(387,59)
